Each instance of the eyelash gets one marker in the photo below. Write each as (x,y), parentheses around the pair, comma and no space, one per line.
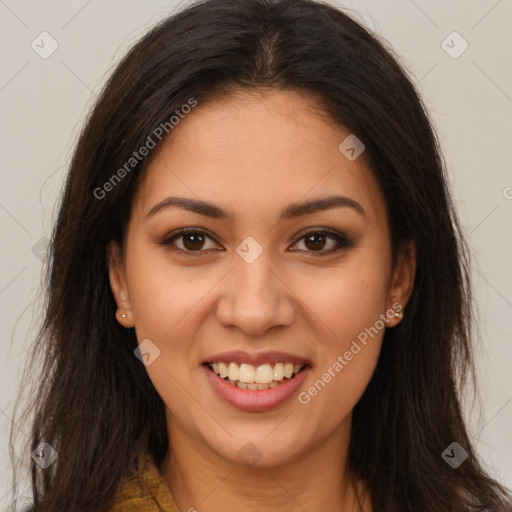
(342,241)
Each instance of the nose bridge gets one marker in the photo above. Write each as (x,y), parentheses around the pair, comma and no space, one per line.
(254,299)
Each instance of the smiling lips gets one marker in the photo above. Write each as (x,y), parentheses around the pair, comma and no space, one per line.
(248,376)
(256,382)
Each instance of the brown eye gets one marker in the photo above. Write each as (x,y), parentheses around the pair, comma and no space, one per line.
(317,241)
(193,241)
(189,240)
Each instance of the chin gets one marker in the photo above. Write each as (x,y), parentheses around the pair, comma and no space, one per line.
(260,451)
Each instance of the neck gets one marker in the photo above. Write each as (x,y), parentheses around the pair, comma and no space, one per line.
(200,479)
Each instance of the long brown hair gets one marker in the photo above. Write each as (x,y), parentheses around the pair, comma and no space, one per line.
(96,405)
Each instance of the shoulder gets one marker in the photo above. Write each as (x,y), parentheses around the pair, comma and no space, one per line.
(144,490)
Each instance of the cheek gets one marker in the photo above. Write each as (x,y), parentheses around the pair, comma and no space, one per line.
(347,358)
(163,302)
(348,305)
(350,298)
(166,305)
(162,296)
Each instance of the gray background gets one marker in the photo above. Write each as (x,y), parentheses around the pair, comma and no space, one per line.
(44,101)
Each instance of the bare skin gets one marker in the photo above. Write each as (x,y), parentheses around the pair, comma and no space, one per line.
(253,155)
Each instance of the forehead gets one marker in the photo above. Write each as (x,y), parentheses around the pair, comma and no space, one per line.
(264,150)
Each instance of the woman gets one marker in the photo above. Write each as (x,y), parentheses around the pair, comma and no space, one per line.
(258,295)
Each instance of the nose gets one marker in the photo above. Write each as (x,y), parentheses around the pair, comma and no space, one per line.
(255,298)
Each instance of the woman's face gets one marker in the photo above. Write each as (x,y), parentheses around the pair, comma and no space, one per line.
(271,274)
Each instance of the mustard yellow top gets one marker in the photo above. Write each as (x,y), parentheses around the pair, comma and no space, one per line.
(144,490)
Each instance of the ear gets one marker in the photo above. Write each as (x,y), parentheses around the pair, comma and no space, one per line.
(117,277)
(402,281)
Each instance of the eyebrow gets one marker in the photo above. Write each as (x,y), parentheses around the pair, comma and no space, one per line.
(290,212)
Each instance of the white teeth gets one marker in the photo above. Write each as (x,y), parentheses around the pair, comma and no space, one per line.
(223,370)
(247,376)
(233,371)
(288,370)
(246,373)
(253,385)
(279,371)
(264,374)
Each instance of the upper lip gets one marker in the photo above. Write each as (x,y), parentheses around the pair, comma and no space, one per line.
(260,358)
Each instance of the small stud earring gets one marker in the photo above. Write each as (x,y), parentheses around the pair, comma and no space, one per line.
(399,315)
(123,315)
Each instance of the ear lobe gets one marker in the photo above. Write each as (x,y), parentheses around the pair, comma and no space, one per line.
(117,278)
(402,282)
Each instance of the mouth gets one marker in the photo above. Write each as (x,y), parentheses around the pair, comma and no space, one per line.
(260,377)
(256,383)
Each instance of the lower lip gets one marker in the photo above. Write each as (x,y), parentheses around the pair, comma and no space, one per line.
(255,399)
